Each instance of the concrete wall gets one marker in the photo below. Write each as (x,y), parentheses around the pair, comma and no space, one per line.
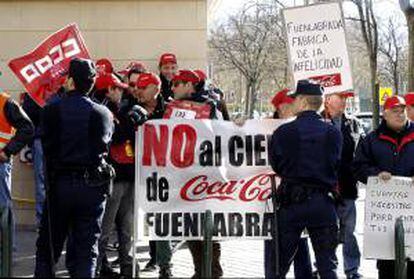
(121,30)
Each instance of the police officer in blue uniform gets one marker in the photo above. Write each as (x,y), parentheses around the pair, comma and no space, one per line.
(76,133)
(305,153)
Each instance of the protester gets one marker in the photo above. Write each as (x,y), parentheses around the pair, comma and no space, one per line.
(119,206)
(351,131)
(149,104)
(34,111)
(213,93)
(76,133)
(305,153)
(302,263)
(409,101)
(188,104)
(386,152)
(168,68)
(104,65)
(16,131)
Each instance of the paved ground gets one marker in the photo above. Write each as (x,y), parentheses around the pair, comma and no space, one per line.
(239,258)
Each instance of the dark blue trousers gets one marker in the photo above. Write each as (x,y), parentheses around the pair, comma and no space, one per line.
(318,215)
(76,210)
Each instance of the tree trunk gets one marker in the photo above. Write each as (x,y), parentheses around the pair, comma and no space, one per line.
(375,93)
(247,99)
(410,22)
(253,98)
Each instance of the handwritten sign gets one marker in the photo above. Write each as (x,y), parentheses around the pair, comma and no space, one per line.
(384,203)
(317,46)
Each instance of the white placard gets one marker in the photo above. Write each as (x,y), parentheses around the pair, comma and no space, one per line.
(317,45)
(384,203)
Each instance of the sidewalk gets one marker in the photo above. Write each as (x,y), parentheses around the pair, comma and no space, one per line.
(239,258)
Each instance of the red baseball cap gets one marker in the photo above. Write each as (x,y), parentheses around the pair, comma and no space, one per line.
(393,102)
(104,65)
(186,76)
(139,66)
(146,79)
(167,58)
(281,98)
(201,75)
(104,81)
(409,98)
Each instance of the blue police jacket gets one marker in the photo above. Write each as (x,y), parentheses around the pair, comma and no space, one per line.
(307,151)
(385,150)
(76,132)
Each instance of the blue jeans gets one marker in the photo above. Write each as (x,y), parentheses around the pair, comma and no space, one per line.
(5,193)
(351,253)
(37,151)
(5,185)
(75,210)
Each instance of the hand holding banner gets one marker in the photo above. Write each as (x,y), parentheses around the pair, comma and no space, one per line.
(43,71)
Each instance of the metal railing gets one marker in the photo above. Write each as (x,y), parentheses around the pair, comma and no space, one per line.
(6,242)
(400,257)
(206,271)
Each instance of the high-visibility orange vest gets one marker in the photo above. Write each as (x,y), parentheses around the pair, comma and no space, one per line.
(6,130)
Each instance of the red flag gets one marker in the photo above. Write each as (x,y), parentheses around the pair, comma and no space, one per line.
(43,71)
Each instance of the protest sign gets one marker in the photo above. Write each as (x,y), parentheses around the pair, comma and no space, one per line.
(317,45)
(43,70)
(185,167)
(384,203)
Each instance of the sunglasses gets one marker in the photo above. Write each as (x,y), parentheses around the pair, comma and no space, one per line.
(132,84)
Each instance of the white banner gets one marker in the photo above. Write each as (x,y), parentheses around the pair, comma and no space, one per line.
(384,203)
(185,167)
(317,45)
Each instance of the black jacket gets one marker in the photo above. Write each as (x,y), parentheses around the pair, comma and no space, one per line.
(306,152)
(125,130)
(166,90)
(23,125)
(385,150)
(75,132)
(352,132)
(34,111)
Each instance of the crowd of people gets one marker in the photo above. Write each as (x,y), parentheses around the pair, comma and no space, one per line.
(83,156)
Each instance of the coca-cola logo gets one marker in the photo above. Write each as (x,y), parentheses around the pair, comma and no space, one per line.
(256,188)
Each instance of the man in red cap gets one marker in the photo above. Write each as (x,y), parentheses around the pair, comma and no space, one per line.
(107,86)
(148,104)
(188,105)
(130,75)
(119,205)
(212,92)
(283,104)
(168,68)
(376,156)
(351,130)
(409,101)
(104,65)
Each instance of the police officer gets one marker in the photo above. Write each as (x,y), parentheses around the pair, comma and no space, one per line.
(75,135)
(302,263)
(385,152)
(305,153)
